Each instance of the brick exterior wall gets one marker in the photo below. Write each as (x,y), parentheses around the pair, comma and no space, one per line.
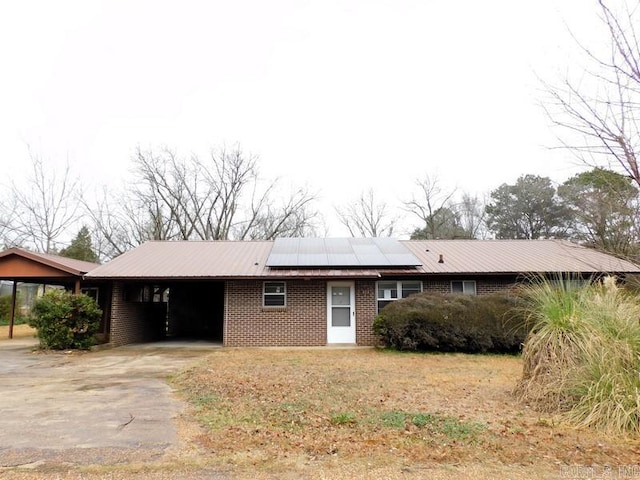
(133,322)
(487,286)
(436,286)
(365,312)
(302,322)
(484,285)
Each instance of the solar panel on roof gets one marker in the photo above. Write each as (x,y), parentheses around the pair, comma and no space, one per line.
(340,252)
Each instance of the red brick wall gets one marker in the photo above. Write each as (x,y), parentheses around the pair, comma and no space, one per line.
(484,285)
(302,322)
(365,312)
(494,285)
(133,322)
(436,286)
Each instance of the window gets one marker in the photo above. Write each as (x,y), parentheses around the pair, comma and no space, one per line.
(90,292)
(466,287)
(274,294)
(390,291)
(133,293)
(137,293)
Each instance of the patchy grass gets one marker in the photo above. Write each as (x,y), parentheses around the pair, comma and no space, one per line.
(301,412)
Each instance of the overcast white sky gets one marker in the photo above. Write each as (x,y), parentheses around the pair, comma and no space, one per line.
(339,95)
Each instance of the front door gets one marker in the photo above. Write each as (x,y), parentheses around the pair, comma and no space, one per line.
(341,314)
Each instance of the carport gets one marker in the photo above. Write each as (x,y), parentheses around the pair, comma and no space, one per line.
(18,265)
(196,310)
(158,309)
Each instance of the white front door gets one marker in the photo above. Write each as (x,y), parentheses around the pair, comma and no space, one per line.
(341,313)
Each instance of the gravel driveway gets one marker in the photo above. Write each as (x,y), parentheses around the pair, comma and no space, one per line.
(107,407)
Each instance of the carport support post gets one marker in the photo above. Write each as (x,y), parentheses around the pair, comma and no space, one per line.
(12,316)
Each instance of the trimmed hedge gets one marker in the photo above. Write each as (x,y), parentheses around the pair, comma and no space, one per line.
(65,320)
(453,323)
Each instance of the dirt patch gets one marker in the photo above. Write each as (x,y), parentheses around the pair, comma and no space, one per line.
(19,331)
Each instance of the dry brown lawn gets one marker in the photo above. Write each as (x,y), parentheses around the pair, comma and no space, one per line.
(19,331)
(365,413)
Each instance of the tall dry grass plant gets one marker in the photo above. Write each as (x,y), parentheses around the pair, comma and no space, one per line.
(582,356)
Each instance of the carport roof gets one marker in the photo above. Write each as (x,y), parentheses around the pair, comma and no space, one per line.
(16,263)
(249,259)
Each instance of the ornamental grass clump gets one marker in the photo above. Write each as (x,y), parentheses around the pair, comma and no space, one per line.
(582,356)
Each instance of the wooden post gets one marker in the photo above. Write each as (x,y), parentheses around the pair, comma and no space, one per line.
(12,316)
(77,287)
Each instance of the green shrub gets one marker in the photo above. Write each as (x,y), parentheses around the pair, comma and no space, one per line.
(65,320)
(5,311)
(452,323)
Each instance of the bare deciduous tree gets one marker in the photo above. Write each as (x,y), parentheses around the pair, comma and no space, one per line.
(472,213)
(8,235)
(291,216)
(436,211)
(119,223)
(220,198)
(46,207)
(367,217)
(599,111)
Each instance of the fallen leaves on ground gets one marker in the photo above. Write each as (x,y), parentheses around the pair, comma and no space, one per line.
(276,410)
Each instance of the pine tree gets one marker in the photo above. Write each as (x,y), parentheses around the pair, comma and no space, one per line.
(81,247)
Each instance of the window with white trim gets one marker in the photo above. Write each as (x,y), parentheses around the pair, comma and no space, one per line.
(274,294)
(388,291)
(466,287)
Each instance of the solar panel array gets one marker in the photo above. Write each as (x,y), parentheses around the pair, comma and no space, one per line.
(340,252)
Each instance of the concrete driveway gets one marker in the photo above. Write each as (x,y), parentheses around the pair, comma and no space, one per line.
(106,407)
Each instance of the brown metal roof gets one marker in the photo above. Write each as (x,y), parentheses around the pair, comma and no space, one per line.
(513,256)
(235,259)
(189,259)
(66,265)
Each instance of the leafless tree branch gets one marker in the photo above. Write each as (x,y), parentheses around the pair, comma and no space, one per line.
(367,217)
(46,207)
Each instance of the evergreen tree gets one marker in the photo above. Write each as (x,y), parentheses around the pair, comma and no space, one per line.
(81,247)
(528,209)
(605,208)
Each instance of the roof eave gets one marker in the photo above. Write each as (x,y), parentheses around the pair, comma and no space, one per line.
(43,260)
